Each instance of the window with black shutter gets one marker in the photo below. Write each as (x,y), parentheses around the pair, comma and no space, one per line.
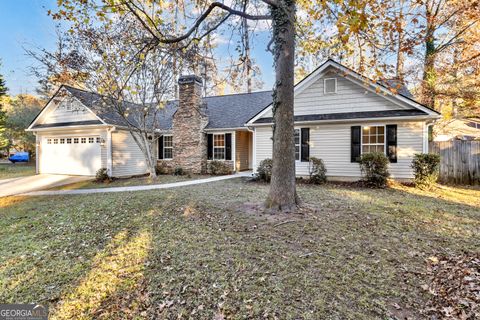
(391,142)
(228,146)
(160,147)
(356,141)
(305,155)
(210,146)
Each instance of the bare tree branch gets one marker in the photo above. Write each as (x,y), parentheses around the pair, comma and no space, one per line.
(198,22)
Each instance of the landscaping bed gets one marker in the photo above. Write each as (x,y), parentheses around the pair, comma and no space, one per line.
(206,252)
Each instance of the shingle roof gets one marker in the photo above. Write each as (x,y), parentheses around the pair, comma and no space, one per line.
(228,111)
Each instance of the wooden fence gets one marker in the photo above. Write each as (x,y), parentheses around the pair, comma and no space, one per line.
(460,161)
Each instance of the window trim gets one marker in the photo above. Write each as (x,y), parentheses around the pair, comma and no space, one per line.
(384,137)
(224,147)
(163,137)
(325,86)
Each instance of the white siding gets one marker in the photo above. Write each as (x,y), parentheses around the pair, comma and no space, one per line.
(350,97)
(331,142)
(127,157)
(66,111)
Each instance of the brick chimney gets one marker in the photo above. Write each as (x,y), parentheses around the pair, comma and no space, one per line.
(189,139)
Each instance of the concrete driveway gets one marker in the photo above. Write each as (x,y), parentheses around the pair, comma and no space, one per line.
(10,187)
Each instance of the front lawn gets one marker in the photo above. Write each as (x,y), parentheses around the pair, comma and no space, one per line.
(9,170)
(204,252)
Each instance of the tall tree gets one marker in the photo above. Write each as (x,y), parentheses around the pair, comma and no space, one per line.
(4,142)
(20,111)
(353,19)
(446,25)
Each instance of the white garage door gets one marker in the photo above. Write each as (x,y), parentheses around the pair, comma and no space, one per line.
(76,155)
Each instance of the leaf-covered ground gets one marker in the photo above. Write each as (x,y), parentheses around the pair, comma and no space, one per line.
(205,252)
(127,182)
(9,170)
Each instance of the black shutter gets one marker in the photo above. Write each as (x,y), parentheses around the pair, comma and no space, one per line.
(355,150)
(209,146)
(228,146)
(160,147)
(392,142)
(305,144)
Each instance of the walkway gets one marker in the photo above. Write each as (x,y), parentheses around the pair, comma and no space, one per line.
(138,188)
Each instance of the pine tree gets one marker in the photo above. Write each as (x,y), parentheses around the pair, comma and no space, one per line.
(3,88)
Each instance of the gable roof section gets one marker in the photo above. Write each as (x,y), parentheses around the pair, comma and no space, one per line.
(228,111)
(403,94)
(33,125)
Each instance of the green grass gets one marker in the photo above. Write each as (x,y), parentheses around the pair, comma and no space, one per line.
(9,170)
(128,182)
(205,251)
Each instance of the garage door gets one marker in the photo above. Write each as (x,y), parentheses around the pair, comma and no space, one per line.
(77,155)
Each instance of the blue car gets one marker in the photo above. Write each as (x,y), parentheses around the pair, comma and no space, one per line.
(20,157)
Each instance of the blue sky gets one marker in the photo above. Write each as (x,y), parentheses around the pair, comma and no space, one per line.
(25,23)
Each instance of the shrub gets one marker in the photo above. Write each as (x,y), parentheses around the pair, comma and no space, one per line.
(219,168)
(162,168)
(317,171)
(264,170)
(374,167)
(179,171)
(102,175)
(426,169)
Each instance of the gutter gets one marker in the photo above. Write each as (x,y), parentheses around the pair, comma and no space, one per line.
(418,118)
(79,127)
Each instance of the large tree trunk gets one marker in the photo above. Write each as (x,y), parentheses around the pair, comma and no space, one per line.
(282,195)
(246,43)
(428,83)
(399,68)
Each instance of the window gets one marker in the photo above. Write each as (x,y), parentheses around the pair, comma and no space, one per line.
(62,141)
(98,140)
(55,141)
(69,140)
(75,140)
(373,139)
(49,141)
(330,85)
(167,147)
(218,147)
(297,144)
(91,140)
(83,140)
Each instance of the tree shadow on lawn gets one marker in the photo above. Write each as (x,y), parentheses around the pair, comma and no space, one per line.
(56,241)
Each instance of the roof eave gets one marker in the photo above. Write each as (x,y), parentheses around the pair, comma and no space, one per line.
(418,118)
(60,128)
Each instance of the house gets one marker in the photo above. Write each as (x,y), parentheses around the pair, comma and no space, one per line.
(459,129)
(339,115)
